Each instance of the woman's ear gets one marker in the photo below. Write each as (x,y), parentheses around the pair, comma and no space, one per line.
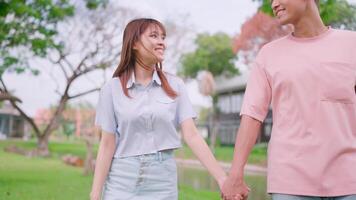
(135,46)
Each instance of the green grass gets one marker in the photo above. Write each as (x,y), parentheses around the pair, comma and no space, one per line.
(48,178)
(56,148)
(189,193)
(39,178)
(201,179)
(225,153)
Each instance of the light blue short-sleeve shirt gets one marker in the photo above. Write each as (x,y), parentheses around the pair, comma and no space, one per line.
(147,122)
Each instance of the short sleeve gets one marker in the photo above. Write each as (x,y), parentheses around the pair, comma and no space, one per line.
(257,96)
(105,114)
(184,107)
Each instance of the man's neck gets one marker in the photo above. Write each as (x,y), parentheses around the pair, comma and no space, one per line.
(310,25)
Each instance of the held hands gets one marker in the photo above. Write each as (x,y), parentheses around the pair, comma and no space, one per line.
(234,189)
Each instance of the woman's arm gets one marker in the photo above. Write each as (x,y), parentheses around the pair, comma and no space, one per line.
(102,165)
(201,150)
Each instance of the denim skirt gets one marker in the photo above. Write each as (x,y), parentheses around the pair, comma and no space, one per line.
(143,177)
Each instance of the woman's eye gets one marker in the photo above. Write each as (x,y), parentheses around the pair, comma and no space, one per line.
(154,36)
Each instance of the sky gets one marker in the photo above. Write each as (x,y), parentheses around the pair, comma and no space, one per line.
(200,15)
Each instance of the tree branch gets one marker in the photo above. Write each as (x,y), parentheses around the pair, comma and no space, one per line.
(84,93)
(6,96)
(22,113)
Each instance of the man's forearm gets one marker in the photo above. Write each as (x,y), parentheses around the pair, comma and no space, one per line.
(245,141)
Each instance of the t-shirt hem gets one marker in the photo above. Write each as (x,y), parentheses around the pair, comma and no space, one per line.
(318,193)
(253,115)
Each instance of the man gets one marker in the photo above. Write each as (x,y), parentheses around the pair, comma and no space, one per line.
(309,78)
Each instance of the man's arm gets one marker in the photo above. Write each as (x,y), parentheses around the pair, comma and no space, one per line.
(245,141)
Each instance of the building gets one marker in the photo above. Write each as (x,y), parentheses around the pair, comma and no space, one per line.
(12,124)
(230,93)
(76,120)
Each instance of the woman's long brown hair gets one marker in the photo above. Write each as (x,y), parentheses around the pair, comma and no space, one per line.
(132,34)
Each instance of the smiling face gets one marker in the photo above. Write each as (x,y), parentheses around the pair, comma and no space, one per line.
(289,11)
(151,45)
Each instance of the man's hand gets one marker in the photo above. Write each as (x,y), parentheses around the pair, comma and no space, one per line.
(234,189)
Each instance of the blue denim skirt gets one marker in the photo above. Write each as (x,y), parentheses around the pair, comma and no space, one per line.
(143,177)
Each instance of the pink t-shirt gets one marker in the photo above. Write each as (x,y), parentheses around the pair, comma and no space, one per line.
(310,84)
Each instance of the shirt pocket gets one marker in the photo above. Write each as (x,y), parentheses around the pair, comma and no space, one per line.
(338,81)
(165,100)
(166,104)
(165,107)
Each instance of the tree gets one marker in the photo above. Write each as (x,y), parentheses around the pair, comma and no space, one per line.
(91,42)
(6,96)
(256,32)
(213,53)
(28,28)
(212,57)
(28,25)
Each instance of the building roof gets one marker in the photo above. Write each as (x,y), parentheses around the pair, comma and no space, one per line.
(8,109)
(235,83)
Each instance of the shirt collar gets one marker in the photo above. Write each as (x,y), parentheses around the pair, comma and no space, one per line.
(132,81)
(156,78)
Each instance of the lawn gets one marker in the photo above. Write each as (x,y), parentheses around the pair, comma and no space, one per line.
(48,178)
(224,153)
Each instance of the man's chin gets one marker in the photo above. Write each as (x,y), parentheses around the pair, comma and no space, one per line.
(282,22)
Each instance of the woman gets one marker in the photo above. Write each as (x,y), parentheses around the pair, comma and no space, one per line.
(138,111)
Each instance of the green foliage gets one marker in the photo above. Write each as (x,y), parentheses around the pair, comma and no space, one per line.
(337,13)
(32,26)
(29,25)
(68,128)
(214,53)
(93,4)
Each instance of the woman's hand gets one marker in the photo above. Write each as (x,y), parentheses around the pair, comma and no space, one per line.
(95,195)
(221,181)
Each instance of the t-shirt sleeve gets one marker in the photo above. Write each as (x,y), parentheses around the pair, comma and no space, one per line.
(105,114)
(184,106)
(258,94)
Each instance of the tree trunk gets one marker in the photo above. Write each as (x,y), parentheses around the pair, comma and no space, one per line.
(88,164)
(42,146)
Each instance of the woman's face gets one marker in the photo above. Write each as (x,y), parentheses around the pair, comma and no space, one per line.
(151,46)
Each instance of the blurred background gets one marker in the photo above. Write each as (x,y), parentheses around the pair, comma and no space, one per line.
(56,54)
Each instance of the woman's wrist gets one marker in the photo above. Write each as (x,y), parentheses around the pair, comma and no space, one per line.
(94,196)
(221,180)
